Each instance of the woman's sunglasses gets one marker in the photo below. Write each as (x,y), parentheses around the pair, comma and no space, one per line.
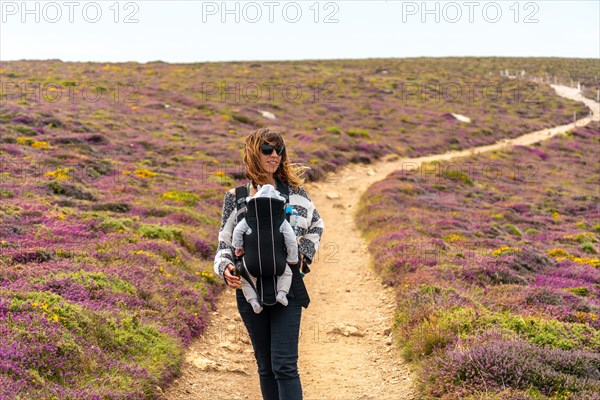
(267,149)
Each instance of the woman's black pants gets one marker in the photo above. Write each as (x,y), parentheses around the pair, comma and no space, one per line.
(274,333)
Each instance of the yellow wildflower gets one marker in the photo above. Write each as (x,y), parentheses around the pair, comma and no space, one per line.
(41,145)
(144,173)
(60,174)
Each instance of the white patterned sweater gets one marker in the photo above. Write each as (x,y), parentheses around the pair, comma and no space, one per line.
(308,222)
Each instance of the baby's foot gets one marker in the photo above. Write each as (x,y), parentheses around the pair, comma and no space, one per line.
(281,298)
(256,306)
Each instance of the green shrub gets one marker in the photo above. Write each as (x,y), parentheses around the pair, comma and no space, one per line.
(581,237)
(113,207)
(6,194)
(549,332)
(482,132)
(458,176)
(588,247)
(69,190)
(429,289)
(579,291)
(358,132)
(513,230)
(116,224)
(24,130)
(97,280)
(436,329)
(152,231)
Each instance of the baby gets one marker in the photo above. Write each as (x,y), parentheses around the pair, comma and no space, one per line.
(284,281)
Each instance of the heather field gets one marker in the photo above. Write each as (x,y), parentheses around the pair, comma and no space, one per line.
(110,204)
(561,71)
(337,111)
(494,259)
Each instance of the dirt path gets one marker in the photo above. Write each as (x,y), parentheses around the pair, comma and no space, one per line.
(346,348)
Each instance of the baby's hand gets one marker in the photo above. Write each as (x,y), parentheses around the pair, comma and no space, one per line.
(239,252)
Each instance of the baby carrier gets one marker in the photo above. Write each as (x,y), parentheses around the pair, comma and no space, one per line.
(264,248)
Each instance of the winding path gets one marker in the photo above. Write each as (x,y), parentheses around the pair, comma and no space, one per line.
(346,348)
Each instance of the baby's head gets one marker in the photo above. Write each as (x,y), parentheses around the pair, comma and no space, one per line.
(267,191)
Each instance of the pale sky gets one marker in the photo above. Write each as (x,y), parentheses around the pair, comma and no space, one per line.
(197,31)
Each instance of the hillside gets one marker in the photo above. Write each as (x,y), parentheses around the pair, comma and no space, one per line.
(111,198)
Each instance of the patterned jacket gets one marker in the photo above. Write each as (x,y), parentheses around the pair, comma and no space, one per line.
(309,226)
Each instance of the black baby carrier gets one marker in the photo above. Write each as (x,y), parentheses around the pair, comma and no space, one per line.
(264,248)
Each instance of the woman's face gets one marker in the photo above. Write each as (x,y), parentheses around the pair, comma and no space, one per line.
(271,161)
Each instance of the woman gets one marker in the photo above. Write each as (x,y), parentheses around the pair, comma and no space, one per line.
(275,331)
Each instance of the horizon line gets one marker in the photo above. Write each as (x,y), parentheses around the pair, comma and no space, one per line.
(294,60)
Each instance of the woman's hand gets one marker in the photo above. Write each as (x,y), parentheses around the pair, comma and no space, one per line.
(232,280)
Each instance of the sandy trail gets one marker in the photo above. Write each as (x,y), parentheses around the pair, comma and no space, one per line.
(347,351)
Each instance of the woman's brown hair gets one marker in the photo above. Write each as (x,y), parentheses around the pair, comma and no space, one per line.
(287,172)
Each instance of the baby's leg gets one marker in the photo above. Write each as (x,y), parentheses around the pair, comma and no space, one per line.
(251,295)
(283,285)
